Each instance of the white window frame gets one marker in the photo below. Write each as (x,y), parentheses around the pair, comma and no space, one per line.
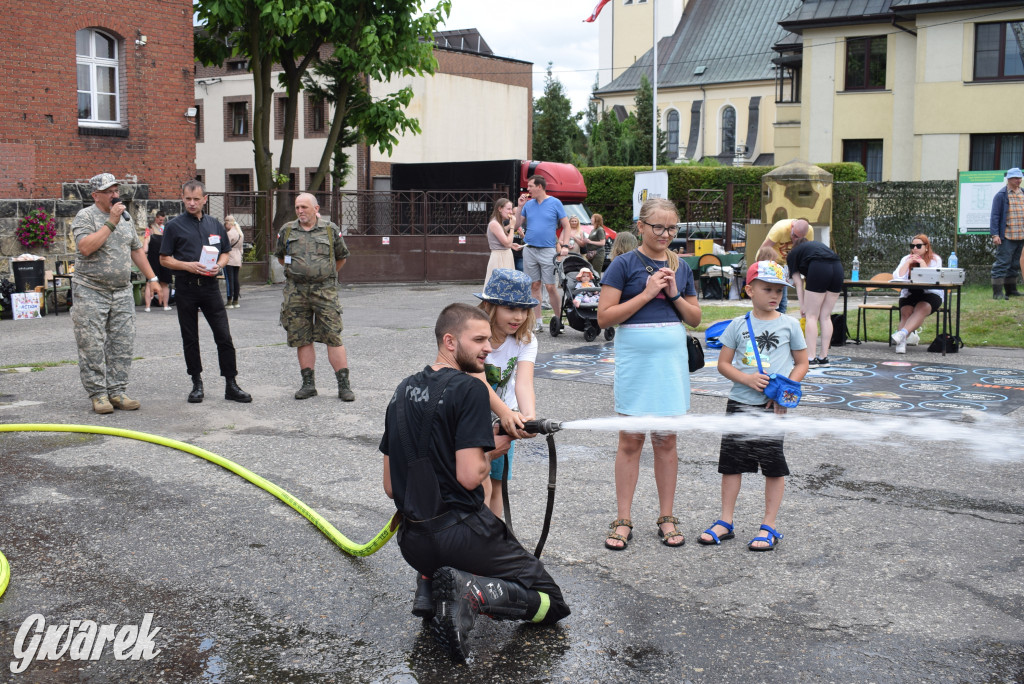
(94,63)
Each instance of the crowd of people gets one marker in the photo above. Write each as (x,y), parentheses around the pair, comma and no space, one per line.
(192,250)
(450,430)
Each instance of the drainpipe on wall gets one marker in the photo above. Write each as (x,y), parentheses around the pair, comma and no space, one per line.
(703,113)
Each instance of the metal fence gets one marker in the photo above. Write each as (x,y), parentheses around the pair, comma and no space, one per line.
(408,236)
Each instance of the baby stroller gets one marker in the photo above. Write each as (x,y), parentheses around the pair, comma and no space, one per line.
(584,316)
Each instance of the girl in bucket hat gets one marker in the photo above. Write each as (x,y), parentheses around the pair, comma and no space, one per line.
(508,370)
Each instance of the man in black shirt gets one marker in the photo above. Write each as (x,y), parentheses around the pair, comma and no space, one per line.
(438,431)
(188,240)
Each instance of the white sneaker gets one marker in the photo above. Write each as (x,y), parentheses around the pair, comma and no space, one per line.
(539,328)
(147,308)
(899,338)
(167,308)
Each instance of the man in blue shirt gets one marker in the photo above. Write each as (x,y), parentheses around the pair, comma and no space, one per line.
(543,215)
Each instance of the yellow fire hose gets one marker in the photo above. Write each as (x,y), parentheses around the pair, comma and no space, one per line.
(343,542)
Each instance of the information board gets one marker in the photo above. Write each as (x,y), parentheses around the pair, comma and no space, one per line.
(977,188)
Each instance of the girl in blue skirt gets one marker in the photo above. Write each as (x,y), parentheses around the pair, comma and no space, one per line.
(649,293)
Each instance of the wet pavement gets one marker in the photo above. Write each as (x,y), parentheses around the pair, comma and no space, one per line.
(901,562)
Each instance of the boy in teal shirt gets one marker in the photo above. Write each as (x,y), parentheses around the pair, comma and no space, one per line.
(783,351)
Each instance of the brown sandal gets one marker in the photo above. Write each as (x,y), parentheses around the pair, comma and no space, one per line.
(623,522)
(671,534)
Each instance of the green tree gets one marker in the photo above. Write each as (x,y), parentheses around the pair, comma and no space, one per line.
(555,127)
(641,126)
(375,40)
(605,142)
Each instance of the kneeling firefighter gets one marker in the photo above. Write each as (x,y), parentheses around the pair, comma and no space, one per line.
(437,432)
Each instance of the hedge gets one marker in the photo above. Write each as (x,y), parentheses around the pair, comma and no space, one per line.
(610,188)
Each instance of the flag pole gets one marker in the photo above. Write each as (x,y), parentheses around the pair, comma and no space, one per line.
(654,100)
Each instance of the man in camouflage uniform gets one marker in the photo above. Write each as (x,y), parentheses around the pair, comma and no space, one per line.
(312,252)
(104,311)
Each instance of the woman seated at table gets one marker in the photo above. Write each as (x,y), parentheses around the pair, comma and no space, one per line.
(915,305)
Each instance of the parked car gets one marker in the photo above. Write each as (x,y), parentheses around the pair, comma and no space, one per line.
(703,230)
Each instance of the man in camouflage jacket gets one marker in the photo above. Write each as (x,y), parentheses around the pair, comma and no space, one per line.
(104,312)
(312,252)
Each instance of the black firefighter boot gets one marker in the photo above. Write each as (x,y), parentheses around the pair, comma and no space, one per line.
(997,289)
(459,597)
(344,389)
(423,602)
(1010,286)
(196,395)
(308,388)
(233,392)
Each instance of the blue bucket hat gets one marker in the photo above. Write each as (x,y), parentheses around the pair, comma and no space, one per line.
(508,288)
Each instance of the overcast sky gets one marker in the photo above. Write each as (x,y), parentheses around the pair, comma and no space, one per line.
(538,31)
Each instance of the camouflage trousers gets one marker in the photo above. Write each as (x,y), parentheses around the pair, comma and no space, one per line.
(311,313)
(104,325)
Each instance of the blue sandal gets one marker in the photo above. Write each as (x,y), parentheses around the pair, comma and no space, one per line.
(717,539)
(771,538)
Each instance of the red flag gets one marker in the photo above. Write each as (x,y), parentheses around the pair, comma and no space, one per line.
(597,10)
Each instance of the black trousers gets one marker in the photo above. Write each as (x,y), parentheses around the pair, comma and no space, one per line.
(199,292)
(231,281)
(481,544)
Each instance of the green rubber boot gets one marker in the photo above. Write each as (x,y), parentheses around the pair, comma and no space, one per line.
(308,388)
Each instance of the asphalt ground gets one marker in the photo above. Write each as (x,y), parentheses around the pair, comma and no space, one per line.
(901,561)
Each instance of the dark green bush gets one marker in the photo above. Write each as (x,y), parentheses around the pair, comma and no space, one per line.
(610,188)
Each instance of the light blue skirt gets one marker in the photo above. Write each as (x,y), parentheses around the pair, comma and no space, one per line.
(652,374)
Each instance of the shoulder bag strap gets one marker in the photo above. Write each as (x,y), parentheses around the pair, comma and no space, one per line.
(753,343)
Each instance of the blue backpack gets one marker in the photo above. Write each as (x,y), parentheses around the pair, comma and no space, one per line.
(713,332)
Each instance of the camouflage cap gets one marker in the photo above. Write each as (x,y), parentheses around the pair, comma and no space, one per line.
(102,181)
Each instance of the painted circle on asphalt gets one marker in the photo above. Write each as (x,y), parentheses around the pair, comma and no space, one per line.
(566,371)
(1004,381)
(952,406)
(896,363)
(923,377)
(563,363)
(1000,372)
(848,373)
(929,387)
(831,380)
(880,405)
(853,364)
(943,370)
(821,399)
(967,395)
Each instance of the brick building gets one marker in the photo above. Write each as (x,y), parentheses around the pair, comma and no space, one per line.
(105,87)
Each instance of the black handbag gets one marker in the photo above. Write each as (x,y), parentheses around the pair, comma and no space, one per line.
(694,353)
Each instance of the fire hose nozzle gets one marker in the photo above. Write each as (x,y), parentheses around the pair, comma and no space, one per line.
(540,426)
